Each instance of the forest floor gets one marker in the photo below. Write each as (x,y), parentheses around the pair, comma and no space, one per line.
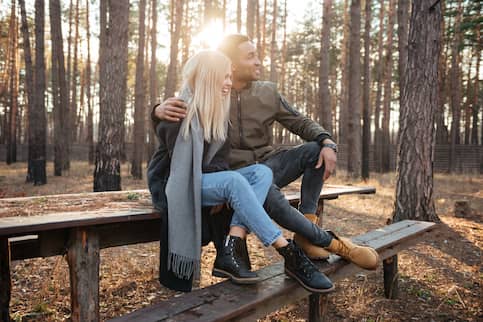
(440,279)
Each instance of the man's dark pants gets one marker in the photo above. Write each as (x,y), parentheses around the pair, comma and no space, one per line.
(288,166)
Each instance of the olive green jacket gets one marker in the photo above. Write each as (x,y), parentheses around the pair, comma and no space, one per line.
(253,111)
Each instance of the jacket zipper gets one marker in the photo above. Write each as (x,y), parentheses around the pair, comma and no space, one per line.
(240,125)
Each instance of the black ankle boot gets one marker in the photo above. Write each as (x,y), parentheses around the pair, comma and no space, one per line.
(230,264)
(299,266)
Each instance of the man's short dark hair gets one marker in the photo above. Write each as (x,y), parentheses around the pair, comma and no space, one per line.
(229,45)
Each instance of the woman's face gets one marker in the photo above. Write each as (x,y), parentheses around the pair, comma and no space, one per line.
(226,87)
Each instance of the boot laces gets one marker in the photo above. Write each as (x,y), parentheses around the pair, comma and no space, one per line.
(304,263)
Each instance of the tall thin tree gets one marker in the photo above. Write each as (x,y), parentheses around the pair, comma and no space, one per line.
(13,87)
(176,20)
(325,110)
(59,88)
(37,118)
(139,96)
(455,91)
(29,85)
(366,94)
(354,135)
(88,73)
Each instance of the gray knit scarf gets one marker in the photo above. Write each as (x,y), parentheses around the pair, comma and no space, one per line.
(183,192)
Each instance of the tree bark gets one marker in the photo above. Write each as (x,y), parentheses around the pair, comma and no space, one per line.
(113,75)
(386,104)
(238,16)
(343,111)
(37,117)
(325,116)
(354,135)
(73,124)
(90,112)
(29,87)
(441,128)
(251,18)
(13,88)
(153,80)
(366,94)
(455,89)
(414,188)
(273,44)
(176,19)
(476,91)
(139,95)
(59,88)
(377,105)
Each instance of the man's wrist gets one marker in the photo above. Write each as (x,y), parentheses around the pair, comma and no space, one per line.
(330,145)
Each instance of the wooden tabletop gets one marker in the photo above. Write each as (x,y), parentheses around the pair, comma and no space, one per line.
(10,226)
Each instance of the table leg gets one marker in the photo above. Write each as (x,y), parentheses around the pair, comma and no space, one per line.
(83,259)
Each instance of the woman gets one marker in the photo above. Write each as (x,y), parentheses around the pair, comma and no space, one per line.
(198,176)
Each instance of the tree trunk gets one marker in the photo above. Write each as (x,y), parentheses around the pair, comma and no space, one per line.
(366,94)
(354,135)
(273,44)
(153,80)
(455,89)
(13,89)
(113,86)
(59,88)
(238,16)
(29,87)
(441,128)
(176,19)
(467,106)
(37,117)
(139,94)
(325,116)
(476,91)
(75,76)
(377,105)
(414,188)
(90,112)
(402,35)
(251,17)
(343,106)
(68,113)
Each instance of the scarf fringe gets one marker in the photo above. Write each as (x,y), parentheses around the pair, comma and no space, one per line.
(181,266)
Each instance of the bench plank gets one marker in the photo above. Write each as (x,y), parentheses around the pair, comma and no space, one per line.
(225,301)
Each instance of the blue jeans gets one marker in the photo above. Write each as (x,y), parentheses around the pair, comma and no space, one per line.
(245,190)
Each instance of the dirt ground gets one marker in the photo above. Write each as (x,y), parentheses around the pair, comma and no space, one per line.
(440,279)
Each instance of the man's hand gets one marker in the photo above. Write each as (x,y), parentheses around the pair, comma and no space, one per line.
(328,157)
(173,109)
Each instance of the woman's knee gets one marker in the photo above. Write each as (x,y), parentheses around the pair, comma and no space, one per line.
(263,173)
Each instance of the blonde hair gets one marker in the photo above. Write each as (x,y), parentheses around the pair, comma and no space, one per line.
(203,74)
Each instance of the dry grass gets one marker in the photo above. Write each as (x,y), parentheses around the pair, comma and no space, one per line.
(440,280)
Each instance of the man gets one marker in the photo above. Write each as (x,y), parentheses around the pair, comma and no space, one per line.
(255,106)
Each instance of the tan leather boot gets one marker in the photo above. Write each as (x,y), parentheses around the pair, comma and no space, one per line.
(362,256)
(312,251)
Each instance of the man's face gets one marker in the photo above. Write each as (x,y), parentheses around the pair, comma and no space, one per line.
(247,66)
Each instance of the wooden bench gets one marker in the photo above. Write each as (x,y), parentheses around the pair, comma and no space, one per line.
(82,234)
(229,302)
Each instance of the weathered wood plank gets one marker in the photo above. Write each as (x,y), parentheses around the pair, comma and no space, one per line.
(12,226)
(228,301)
(83,260)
